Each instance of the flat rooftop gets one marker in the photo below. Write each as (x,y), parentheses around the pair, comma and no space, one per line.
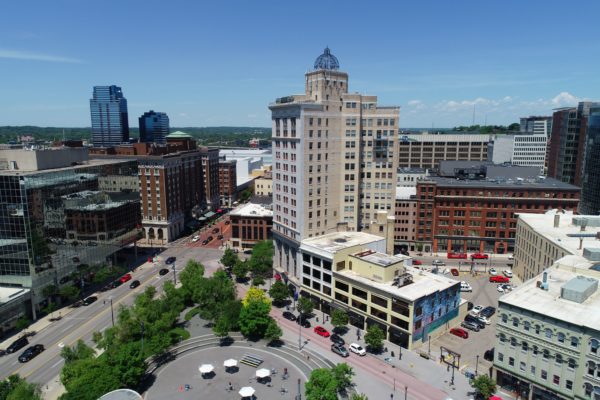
(252,210)
(543,224)
(8,294)
(381,259)
(549,302)
(405,193)
(92,162)
(424,284)
(528,184)
(336,241)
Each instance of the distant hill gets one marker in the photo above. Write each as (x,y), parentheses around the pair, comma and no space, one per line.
(216,136)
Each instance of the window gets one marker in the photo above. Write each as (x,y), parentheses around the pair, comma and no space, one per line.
(522,366)
(548,333)
(569,384)
(504,318)
(515,322)
(560,337)
(571,363)
(544,374)
(545,354)
(594,346)
(556,380)
(511,361)
(500,357)
(526,325)
(574,341)
(533,370)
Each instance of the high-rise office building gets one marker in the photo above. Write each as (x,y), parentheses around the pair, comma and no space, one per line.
(154,127)
(335,161)
(567,142)
(108,108)
(536,125)
(590,182)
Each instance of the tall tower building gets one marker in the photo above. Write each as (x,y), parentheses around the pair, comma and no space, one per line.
(335,161)
(108,108)
(154,127)
(590,182)
(536,125)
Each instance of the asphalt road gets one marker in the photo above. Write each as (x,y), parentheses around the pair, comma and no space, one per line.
(82,322)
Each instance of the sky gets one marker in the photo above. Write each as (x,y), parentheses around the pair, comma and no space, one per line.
(220,63)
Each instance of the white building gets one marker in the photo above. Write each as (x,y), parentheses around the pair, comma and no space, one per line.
(408,177)
(525,150)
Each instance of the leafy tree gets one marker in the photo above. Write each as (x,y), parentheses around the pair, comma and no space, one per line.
(245,195)
(89,379)
(261,260)
(514,126)
(70,292)
(240,270)
(304,306)
(191,279)
(230,258)
(213,294)
(49,292)
(374,338)
(258,280)
(343,374)
(279,292)
(16,388)
(256,294)
(273,332)
(221,328)
(80,351)
(359,396)
(254,319)
(321,385)
(231,314)
(22,323)
(339,318)
(484,385)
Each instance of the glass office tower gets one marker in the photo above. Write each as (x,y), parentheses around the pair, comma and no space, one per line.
(108,108)
(590,188)
(154,127)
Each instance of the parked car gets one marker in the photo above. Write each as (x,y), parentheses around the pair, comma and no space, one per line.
(337,339)
(220,237)
(289,315)
(216,230)
(89,300)
(438,263)
(17,344)
(125,278)
(511,256)
(470,326)
(64,279)
(477,309)
(303,321)
(465,287)
(31,353)
(195,239)
(417,262)
(116,284)
(340,350)
(483,319)
(205,242)
(227,222)
(489,354)
(507,273)
(163,271)
(475,320)
(479,256)
(459,332)
(488,311)
(461,256)
(493,272)
(319,330)
(454,272)
(170,260)
(76,259)
(499,279)
(134,284)
(358,349)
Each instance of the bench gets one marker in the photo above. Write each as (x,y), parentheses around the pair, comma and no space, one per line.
(251,360)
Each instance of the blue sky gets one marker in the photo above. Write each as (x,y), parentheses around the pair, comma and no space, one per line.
(209,63)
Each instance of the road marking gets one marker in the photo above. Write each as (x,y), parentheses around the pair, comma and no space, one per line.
(66,329)
(56,363)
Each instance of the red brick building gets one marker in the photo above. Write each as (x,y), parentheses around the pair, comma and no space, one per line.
(227,182)
(250,223)
(475,211)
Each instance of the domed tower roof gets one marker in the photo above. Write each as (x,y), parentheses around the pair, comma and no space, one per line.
(327,61)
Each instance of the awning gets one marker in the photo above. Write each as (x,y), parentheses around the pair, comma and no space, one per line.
(209,214)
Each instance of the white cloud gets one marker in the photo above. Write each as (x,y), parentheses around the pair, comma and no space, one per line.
(565,99)
(25,55)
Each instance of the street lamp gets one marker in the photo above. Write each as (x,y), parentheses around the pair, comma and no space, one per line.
(112,314)
(476,364)
(174,274)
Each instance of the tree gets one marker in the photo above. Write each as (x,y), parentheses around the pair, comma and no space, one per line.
(339,318)
(191,279)
(304,306)
(374,338)
(240,270)
(254,319)
(279,292)
(343,374)
(70,292)
(261,260)
(221,328)
(230,258)
(78,352)
(321,385)
(245,195)
(256,294)
(258,280)
(514,126)
(49,292)
(22,323)
(484,385)
(273,331)
(359,396)
(16,388)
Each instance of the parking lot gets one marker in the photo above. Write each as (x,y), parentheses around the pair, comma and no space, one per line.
(486,294)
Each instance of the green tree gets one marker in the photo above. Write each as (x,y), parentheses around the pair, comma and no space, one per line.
(213,294)
(273,331)
(221,328)
(339,318)
(245,195)
(304,306)
(279,292)
(16,388)
(231,314)
(359,396)
(192,278)
(343,374)
(22,323)
(240,270)
(258,280)
(514,126)
(69,292)
(230,258)
(321,385)
(374,338)
(254,319)
(78,352)
(261,260)
(49,292)
(484,385)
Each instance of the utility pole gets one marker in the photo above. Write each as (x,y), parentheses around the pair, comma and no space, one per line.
(300,333)
(405,392)
(299,396)
(476,365)
(174,275)
(112,313)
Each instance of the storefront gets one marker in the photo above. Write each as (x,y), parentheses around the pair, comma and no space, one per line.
(513,384)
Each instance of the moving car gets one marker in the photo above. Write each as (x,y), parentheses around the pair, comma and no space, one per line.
(475,320)
(339,349)
(417,262)
(507,273)
(511,257)
(116,284)
(17,345)
(358,349)
(465,287)
(470,326)
(209,238)
(479,256)
(319,330)
(227,222)
(493,272)
(459,332)
(488,311)
(454,272)
(337,339)
(303,321)
(31,352)
(461,256)
(134,284)
(195,239)
(125,278)
(499,279)
(89,300)
(170,260)
(163,271)
(469,306)
(289,315)
(438,263)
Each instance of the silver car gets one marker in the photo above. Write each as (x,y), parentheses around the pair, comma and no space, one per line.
(340,350)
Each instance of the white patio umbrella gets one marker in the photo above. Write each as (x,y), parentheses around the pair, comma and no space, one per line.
(263,373)
(206,368)
(230,363)
(247,391)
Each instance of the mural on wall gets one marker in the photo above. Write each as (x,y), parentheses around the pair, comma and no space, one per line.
(433,311)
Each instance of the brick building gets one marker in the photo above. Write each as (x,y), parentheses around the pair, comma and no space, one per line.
(227,182)
(210,166)
(472,208)
(406,219)
(250,223)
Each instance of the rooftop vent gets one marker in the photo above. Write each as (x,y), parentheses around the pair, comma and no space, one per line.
(591,253)
(340,240)
(579,289)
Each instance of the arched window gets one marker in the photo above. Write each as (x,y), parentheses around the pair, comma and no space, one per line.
(513,341)
(526,325)
(574,341)
(502,337)
(588,389)
(535,350)
(558,359)
(571,363)
(546,354)
(504,318)
(515,321)
(591,368)
(561,337)
(548,333)
(524,346)
(594,344)
(537,329)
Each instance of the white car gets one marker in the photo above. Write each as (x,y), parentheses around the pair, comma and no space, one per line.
(358,349)
(465,287)
(437,263)
(493,272)
(511,257)
(484,319)
(504,288)
(477,309)
(195,238)
(507,273)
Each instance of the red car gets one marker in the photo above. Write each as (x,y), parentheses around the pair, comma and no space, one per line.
(125,278)
(457,255)
(319,330)
(499,279)
(460,333)
(454,272)
(416,262)
(479,256)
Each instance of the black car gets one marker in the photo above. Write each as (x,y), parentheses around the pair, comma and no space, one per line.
(339,349)
(289,315)
(205,242)
(488,311)
(31,352)
(337,339)
(163,271)
(489,354)
(209,238)
(116,284)
(134,284)
(170,260)
(304,322)
(472,326)
(220,237)
(216,230)
(17,345)
(89,300)
(475,320)
(227,222)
